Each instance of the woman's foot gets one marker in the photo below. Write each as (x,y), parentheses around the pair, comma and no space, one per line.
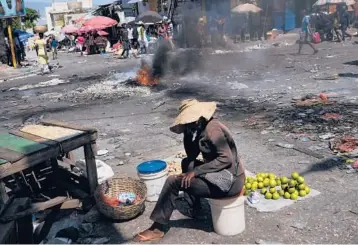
(154,233)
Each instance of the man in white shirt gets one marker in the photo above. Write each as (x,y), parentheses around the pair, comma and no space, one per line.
(130,34)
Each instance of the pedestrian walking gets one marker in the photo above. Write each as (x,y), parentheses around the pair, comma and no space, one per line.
(54,46)
(130,31)
(142,38)
(81,42)
(125,41)
(8,51)
(40,46)
(344,21)
(170,33)
(18,49)
(306,33)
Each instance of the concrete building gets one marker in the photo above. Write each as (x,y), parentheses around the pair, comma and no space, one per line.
(60,14)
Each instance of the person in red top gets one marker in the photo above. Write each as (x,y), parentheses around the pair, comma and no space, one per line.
(81,42)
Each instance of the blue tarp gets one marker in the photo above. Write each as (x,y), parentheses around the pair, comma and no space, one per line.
(23,35)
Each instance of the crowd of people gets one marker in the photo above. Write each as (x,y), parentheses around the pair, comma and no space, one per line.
(132,39)
(328,27)
(19,49)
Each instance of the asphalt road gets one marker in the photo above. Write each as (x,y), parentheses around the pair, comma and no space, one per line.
(133,124)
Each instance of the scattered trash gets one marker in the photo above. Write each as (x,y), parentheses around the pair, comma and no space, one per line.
(104,171)
(121,163)
(102,152)
(313,100)
(327,136)
(52,82)
(254,198)
(346,144)
(329,116)
(158,104)
(287,146)
(127,154)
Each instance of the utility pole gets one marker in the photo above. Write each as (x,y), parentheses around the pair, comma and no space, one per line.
(11,41)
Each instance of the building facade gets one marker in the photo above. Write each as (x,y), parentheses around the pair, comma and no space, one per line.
(60,14)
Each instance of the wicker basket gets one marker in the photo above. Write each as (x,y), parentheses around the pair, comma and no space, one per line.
(115,186)
(40,29)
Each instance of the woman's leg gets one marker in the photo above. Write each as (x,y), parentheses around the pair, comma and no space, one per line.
(166,203)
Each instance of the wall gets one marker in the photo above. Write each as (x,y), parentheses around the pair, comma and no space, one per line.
(48,18)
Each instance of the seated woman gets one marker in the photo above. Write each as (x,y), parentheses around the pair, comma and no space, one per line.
(221,175)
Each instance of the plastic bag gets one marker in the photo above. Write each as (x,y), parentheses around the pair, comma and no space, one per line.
(104,171)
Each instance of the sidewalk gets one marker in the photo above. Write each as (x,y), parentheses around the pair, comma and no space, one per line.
(7,72)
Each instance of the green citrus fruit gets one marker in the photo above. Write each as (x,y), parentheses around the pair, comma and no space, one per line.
(284,186)
(302,193)
(275,196)
(263,191)
(281,192)
(247,192)
(295,175)
(302,187)
(260,185)
(278,181)
(268,195)
(271,176)
(273,183)
(308,190)
(287,195)
(254,186)
(251,180)
(273,190)
(291,190)
(248,186)
(300,180)
(284,180)
(294,196)
(266,182)
(260,179)
(292,183)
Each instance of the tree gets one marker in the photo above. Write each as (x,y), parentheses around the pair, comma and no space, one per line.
(30,18)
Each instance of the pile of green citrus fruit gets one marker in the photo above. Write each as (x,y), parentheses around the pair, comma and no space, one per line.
(274,187)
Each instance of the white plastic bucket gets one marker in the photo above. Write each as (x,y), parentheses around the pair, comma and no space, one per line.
(154,183)
(228,215)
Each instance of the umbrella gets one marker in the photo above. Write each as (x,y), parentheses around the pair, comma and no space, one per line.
(149,17)
(246,8)
(100,22)
(325,2)
(102,33)
(23,35)
(85,29)
(69,29)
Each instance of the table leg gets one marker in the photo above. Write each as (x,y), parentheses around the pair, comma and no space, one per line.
(91,167)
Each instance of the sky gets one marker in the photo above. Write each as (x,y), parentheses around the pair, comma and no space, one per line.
(50,1)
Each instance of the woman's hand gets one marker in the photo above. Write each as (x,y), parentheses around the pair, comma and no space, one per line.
(187,177)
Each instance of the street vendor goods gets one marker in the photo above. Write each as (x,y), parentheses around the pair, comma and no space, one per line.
(121,198)
(275,187)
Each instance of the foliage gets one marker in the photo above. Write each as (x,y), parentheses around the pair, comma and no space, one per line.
(29,20)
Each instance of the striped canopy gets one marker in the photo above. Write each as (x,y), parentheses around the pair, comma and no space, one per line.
(325,2)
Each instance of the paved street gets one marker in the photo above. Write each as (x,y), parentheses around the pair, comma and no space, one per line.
(258,84)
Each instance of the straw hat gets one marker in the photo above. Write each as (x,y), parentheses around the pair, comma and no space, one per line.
(191,111)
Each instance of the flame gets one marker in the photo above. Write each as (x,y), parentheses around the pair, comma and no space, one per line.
(144,76)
